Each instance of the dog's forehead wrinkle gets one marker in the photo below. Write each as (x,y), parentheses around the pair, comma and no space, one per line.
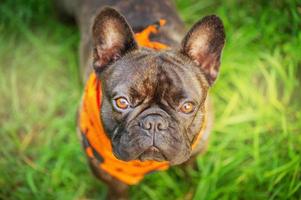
(168,85)
(140,76)
(179,76)
(157,76)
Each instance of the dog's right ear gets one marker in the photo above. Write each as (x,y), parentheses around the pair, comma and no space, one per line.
(113,37)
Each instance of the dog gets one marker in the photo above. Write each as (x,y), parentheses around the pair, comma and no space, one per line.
(143,109)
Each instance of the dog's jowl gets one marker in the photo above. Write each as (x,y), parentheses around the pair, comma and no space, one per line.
(145,106)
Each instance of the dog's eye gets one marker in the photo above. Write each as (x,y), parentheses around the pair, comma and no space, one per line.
(121,103)
(187,107)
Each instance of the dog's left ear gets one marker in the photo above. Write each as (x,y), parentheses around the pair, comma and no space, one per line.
(204,43)
(113,37)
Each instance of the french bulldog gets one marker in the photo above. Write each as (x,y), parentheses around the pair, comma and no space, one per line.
(153,103)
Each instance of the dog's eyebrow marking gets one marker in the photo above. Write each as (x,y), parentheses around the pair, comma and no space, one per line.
(172,95)
(180,63)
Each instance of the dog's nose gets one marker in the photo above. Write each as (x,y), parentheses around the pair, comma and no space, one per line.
(154,123)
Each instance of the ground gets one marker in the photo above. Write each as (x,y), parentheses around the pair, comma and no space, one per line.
(254,151)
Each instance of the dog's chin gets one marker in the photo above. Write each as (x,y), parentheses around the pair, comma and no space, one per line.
(152,153)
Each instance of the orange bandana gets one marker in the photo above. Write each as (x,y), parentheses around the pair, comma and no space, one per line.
(96,143)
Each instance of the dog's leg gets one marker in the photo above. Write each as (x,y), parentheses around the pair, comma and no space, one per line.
(116,189)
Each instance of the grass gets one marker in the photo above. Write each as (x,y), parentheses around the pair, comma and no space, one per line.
(255,148)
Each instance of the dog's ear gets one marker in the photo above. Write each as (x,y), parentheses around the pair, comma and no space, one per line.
(204,43)
(112,36)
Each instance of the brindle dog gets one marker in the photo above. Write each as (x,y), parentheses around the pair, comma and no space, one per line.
(156,85)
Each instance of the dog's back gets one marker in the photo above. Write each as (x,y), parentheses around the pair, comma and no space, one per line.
(139,13)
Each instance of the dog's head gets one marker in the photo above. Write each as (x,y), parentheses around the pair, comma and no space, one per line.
(153,102)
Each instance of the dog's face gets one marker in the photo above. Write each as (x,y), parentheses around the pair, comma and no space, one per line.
(153,103)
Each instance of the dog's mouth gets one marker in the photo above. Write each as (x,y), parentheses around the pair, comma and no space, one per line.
(152,153)
(138,144)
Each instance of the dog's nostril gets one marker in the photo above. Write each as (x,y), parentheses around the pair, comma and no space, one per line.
(147,125)
(162,126)
(155,123)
